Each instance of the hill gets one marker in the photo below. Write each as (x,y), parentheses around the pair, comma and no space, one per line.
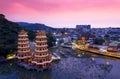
(9,35)
(35,26)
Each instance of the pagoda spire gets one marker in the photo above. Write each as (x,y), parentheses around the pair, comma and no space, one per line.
(41,58)
(24,52)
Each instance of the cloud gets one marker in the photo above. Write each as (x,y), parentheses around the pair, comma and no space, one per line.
(62,12)
(62,5)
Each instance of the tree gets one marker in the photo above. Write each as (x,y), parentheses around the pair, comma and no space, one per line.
(99,41)
(9,36)
(50,39)
(107,39)
(31,35)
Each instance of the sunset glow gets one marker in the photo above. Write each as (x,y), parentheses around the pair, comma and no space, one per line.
(63,13)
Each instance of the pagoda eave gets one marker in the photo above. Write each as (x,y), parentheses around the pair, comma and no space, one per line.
(38,63)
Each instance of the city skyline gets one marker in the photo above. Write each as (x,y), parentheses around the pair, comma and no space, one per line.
(68,13)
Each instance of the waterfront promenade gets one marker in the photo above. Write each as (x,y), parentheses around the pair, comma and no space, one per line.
(96,51)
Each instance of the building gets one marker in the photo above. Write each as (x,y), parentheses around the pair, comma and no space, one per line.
(83,28)
(36,58)
(41,58)
(113,47)
(24,53)
(114,34)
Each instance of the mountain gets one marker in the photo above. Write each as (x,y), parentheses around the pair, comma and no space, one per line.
(35,26)
(8,35)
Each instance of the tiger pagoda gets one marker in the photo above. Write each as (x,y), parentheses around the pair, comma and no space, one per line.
(40,58)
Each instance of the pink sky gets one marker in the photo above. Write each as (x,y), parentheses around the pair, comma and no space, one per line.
(63,13)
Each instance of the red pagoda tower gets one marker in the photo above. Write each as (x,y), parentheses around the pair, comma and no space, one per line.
(24,52)
(41,58)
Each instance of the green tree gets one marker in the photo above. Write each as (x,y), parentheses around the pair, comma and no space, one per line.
(9,36)
(99,41)
(31,35)
(50,39)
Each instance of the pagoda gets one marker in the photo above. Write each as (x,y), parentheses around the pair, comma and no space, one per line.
(41,58)
(24,52)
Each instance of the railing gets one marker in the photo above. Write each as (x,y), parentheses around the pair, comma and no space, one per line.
(40,63)
(41,41)
(22,35)
(41,50)
(41,55)
(23,57)
(23,42)
(23,39)
(23,51)
(41,45)
(40,36)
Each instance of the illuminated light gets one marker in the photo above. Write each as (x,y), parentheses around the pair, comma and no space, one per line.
(10,64)
(66,33)
(79,55)
(93,58)
(56,42)
(57,39)
(107,62)
(54,33)
(11,56)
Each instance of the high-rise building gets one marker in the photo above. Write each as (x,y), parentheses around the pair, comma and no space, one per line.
(41,58)
(24,52)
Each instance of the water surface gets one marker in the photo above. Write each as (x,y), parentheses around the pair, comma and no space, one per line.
(88,66)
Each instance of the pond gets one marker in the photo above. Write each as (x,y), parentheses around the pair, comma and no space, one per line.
(87,66)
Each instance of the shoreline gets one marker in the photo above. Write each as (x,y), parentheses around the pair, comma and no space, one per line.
(95,51)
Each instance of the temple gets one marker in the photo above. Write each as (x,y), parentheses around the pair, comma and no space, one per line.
(40,58)
(24,52)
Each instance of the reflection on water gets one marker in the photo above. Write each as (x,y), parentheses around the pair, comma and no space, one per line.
(88,66)
(80,69)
